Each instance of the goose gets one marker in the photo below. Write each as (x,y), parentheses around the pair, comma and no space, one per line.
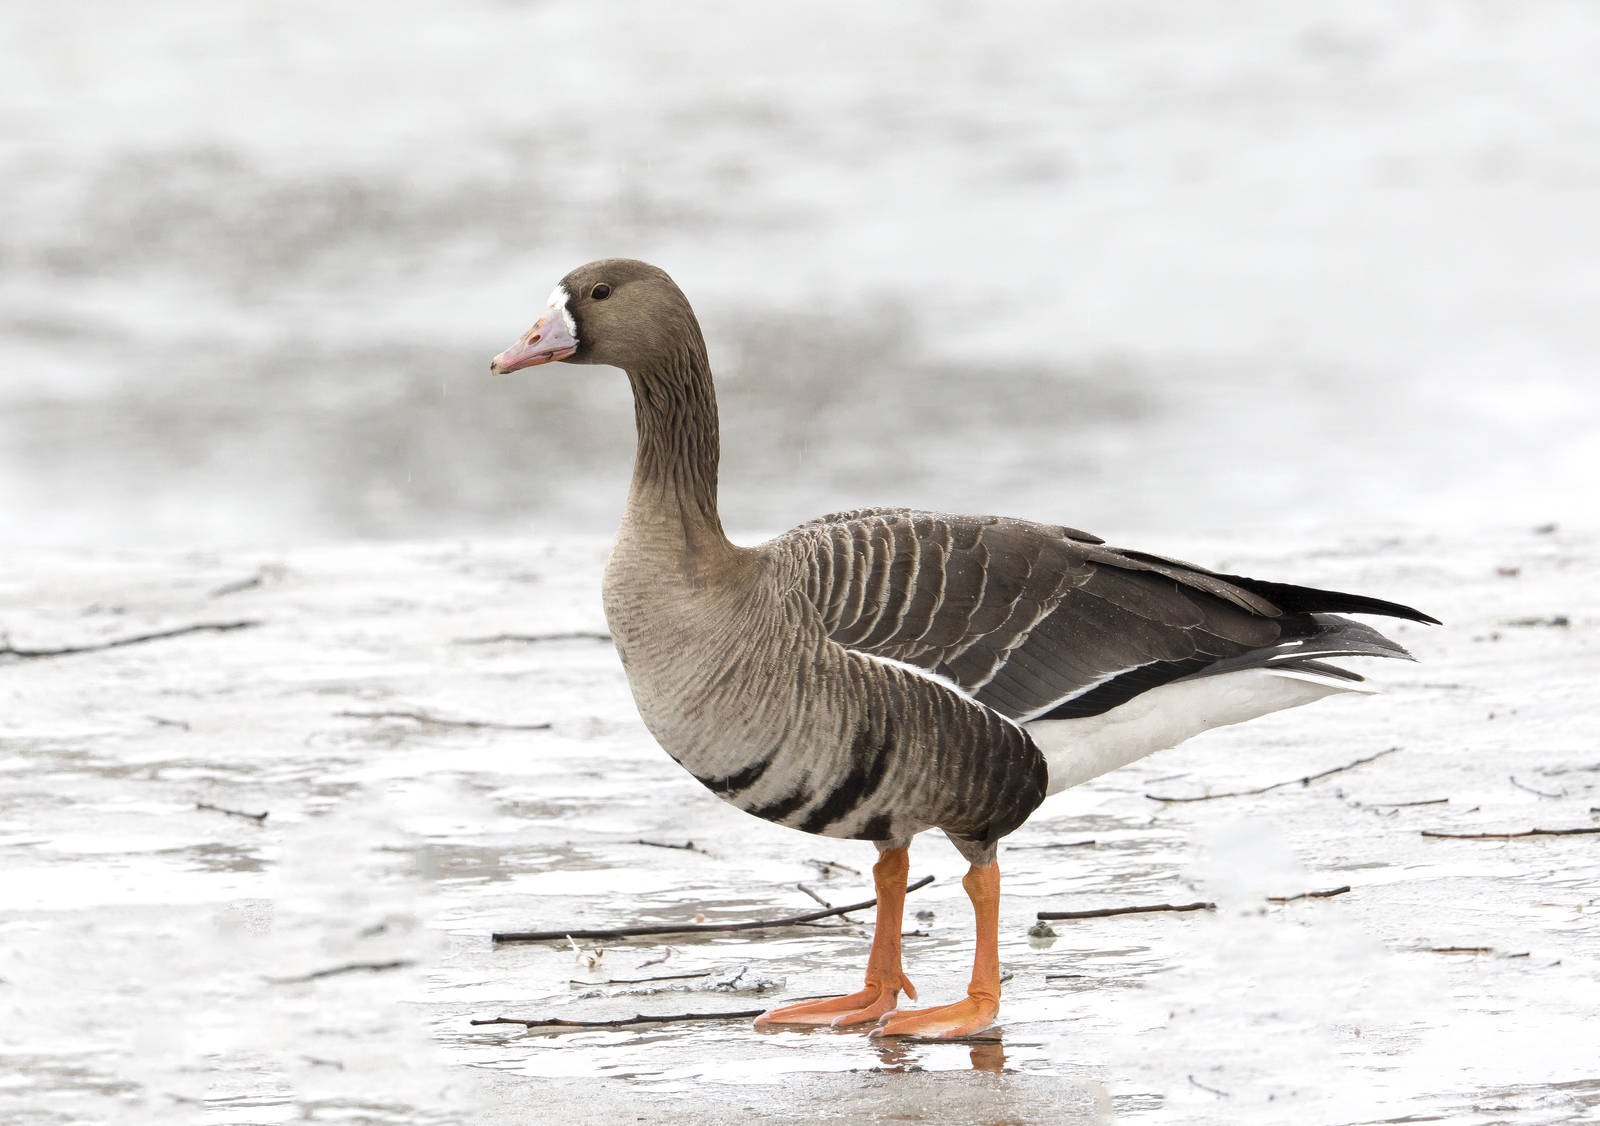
(876,673)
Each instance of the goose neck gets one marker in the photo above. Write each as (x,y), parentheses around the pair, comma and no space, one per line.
(675,469)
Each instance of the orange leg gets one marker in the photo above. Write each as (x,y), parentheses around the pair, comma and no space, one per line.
(982,1005)
(885,978)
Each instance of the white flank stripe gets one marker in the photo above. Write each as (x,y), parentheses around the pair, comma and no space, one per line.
(937,678)
(1075,693)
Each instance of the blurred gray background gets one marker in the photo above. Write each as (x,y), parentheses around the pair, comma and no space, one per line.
(1138,267)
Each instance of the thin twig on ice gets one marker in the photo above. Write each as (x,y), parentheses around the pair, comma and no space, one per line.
(537,638)
(1531,790)
(1329,894)
(256,817)
(1401,804)
(642,980)
(696,928)
(428,720)
(686,846)
(1209,1090)
(9,650)
(1105,912)
(620,1022)
(347,968)
(1306,781)
(813,895)
(1439,834)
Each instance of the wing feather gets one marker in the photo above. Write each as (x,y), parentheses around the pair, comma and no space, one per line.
(1036,620)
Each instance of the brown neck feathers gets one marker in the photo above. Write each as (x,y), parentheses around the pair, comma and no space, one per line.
(675,409)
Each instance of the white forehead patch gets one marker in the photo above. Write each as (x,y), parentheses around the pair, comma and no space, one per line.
(558,300)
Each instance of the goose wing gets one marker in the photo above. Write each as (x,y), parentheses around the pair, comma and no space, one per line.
(1039,621)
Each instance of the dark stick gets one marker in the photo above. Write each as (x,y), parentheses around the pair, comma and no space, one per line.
(695,928)
(1508,836)
(686,846)
(829,865)
(1531,790)
(1089,843)
(639,980)
(1329,894)
(1306,781)
(1104,912)
(239,586)
(256,817)
(9,650)
(1209,1090)
(1402,804)
(1461,950)
(435,721)
(622,1022)
(537,638)
(813,895)
(348,968)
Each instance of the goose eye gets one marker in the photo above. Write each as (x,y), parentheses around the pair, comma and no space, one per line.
(600,292)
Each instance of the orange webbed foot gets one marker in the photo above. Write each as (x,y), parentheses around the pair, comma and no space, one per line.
(943,1022)
(861,1007)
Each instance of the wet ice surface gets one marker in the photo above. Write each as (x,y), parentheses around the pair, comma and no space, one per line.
(149,949)
(1117,263)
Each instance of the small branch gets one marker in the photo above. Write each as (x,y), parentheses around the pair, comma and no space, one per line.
(621,1022)
(250,582)
(695,928)
(640,980)
(1306,781)
(813,895)
(348,968)
(1460,950)
(1586,768)
(686,846)
(318,1061)
(9,650)
(1105,912)
(1401,804)
(435,721)
(258,818)
(829,867)
(1209,1090)
(1089,843)
(1531,790)
(1329,894)
(1551,621)
(537,638)
(1440,835)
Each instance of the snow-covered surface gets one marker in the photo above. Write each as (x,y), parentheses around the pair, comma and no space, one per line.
(140,936)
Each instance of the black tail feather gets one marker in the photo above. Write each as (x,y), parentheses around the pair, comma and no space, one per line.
(1309,600)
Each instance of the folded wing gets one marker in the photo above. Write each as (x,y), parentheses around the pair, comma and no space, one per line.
(1046,622)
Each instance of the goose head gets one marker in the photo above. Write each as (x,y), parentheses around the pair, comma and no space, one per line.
(615,311)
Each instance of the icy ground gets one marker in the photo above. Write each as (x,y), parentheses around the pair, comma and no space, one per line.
(157,959)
